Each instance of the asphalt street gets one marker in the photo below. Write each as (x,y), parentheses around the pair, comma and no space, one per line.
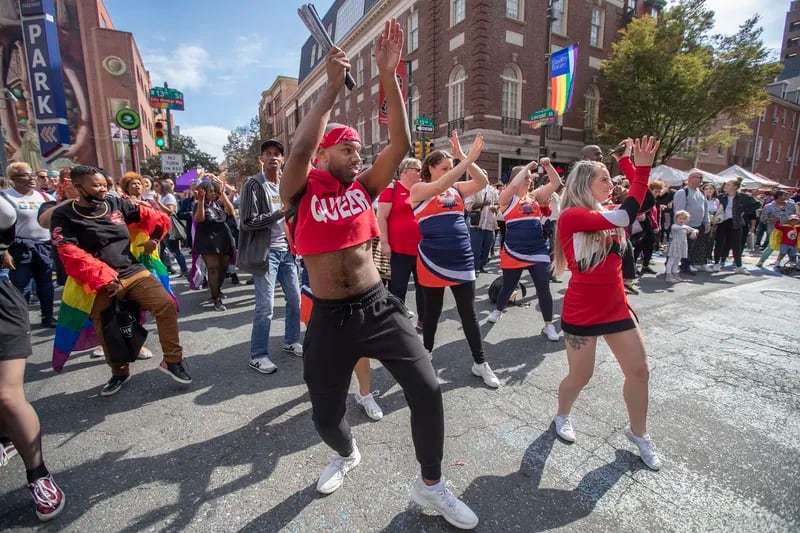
(237,450)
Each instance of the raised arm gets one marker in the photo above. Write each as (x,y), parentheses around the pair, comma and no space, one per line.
(311,129)
(422,191)
(479,180)
(388,49)
(544,192)
(523,176)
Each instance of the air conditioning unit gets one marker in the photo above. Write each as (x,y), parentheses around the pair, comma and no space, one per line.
(775,119)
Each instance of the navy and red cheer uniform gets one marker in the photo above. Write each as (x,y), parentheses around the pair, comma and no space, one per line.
(445,254)
(595,302)
(525,244)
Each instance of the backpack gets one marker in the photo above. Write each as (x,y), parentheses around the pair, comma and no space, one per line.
(497,285)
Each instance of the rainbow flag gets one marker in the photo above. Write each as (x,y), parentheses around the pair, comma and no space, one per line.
(151,262)
(562,78)
(74,331)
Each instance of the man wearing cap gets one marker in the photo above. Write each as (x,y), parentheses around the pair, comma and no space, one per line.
(353,316)
(264,252)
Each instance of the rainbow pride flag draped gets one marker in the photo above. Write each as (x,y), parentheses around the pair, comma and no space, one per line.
(151,262)
(562,78)
(74,331)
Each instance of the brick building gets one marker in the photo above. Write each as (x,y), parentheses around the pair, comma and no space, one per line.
(103,72)
(474,66)
(271,114)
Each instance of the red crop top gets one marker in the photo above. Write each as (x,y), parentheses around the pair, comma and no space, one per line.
(332,216)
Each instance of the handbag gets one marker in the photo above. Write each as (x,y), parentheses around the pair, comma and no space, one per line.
(177,232)
(474,215)
(123,335)
(497,286)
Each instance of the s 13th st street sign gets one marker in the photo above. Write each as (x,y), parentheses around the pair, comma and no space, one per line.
(46,78)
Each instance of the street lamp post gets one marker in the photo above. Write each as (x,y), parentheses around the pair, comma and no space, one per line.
(3,156)
(546,77)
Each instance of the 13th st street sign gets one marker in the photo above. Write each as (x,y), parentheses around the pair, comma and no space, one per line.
(46,78)
(165,98)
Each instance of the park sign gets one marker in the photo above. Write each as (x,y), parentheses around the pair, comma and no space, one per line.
(543,117)
(166,98)
(45,76)
(128,119)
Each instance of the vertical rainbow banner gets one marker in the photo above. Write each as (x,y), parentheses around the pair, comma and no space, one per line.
(562,78)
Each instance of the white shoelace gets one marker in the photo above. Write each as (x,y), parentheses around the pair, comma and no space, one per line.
(44,492)
(4,457)
(445,491)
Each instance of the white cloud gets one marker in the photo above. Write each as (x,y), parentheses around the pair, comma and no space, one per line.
(729,15)
(210,139)
(185,67)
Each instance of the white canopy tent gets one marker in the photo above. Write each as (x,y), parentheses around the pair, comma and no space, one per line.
(750,180)
(708,177)
(672,177)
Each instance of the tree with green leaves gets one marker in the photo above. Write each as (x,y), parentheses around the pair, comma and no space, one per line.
(242,151)
(193,157)
(670,77)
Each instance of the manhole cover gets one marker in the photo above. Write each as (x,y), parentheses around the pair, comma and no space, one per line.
(786,295)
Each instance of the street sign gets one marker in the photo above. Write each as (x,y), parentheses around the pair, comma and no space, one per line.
(128,119)
(543,117)
(166,98)
(424,121)
(48,97)
(171,163)
(419,128)
(119,134)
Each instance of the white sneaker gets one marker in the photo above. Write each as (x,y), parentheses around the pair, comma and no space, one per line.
(263,365)
(484,371)
(564,428)
(692,268)
(672,278)
(708,268)
(742,270)
(716,268)
(441,498)
(145,353)
(97,352)
(333,475)
(647,450)
(550,332)
(494,316)
(430,355)
(372,409)
(296,349)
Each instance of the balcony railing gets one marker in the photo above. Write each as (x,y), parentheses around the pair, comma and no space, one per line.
(511,125)
(553,132)
(456,124)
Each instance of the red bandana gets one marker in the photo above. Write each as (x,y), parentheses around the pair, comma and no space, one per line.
(339,135)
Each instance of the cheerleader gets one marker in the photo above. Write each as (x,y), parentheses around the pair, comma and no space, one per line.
(590,241)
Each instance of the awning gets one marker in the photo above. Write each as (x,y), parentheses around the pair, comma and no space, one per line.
(749,180)
(672,177)
(708,177)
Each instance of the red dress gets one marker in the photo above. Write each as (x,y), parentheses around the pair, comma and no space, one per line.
(595,302)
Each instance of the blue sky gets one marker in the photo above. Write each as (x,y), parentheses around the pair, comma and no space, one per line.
(222,59)
(221,55)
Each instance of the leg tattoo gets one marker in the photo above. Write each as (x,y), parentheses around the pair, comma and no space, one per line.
(575,341)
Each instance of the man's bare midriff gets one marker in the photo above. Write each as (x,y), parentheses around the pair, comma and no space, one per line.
(343,273)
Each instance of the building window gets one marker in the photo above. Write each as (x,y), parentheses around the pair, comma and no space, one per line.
(373,65)
(794,26)
(413,31)
(596,35)
(515,8)
(793,42)
(512,89)
(789,153)
(794,119)
(757,147)
(778,153)
(783,119)
(592,109)
(348,15)
(414,104)
(456,92)
(457,11)
(360,71)
(769,151)
(360,127)
(560,17)
(313,55)
(375,126)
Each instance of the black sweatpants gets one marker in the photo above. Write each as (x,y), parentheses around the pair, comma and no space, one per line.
(374,325)
(540,274)
(729,239)
(465,304)
(628,262)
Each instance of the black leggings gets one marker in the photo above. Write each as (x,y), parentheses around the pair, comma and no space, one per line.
(465,303)
(216,269)
(374,325)
(644,246)
(540,274)
(628,262)
(728,239)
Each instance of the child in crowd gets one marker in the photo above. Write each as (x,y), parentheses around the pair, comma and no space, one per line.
(788,240)
(678,245)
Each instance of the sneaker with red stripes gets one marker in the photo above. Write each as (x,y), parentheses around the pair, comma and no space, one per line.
(7,452)
(48,498)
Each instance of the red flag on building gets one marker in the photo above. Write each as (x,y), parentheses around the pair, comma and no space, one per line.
(402,79)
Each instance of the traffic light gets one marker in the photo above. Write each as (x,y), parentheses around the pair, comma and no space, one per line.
(428,147)
(418,149)
(160,134)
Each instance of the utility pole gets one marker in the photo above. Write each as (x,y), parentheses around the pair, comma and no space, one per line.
(3,155)
(169,124)
(546,77)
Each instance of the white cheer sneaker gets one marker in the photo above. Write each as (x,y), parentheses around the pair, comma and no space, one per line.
(441,498)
